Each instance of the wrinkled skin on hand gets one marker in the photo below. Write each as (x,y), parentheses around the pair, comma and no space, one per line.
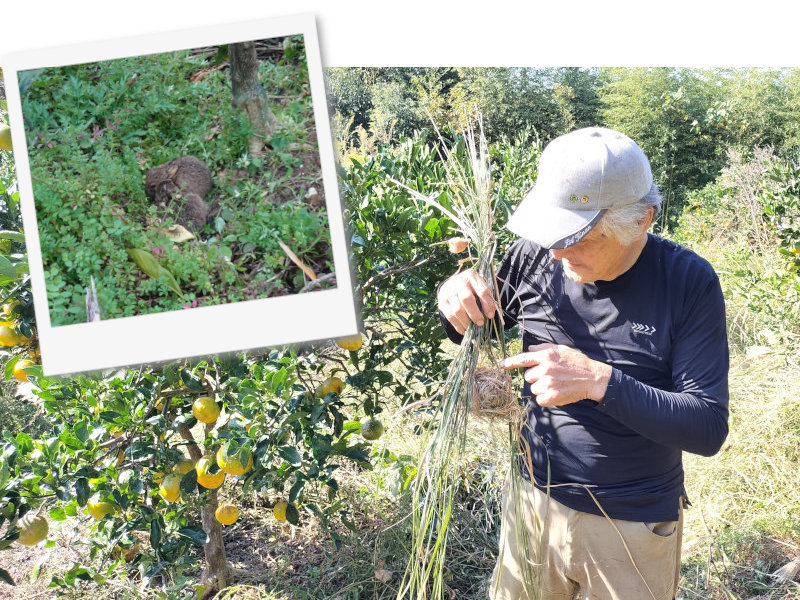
(561,375)
(466,298)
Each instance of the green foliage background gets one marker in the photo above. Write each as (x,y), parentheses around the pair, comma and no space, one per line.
(724,148)
(93,132)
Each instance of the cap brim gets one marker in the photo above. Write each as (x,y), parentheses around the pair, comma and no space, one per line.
(551,226)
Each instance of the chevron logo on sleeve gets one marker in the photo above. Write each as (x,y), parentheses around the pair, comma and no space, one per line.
(643,329)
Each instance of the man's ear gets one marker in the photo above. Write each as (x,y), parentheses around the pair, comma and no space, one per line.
(648,220)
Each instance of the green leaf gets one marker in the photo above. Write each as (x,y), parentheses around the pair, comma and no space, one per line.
(292,514)
(192,381)
(155,533)
(170,280)
(145,261)
(82,491)
(150,265)
(5,577)
(296,489)
(57,514)
(290,455)
(37,569)
(189,482)
(197,536)
(7,269)
(12,235)
(221,55)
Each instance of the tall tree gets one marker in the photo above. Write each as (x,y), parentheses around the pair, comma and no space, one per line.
(249,95)
(667,112)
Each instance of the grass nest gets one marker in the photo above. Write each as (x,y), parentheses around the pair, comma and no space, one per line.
(493,395)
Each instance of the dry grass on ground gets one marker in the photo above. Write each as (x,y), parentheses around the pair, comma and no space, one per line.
(743,527)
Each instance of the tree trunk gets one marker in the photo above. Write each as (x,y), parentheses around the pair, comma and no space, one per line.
(249,96)
(215,576)
(216,572)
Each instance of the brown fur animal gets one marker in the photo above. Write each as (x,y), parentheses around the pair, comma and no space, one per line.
(193,212)
(185,174)
(183,181)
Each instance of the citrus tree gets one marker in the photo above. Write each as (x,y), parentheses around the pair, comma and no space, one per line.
(145,454)
(142,455)
(157,461)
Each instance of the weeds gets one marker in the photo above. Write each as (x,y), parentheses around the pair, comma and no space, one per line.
(95,129)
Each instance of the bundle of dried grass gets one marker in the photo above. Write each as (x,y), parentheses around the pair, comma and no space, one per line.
(493,395)
(438,472)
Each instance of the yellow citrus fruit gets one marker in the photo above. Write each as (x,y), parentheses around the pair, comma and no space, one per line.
(5,138)
(371,429)
(9,306)
(9,337)
(32,529)
(209,480)
(231,464)
(170,488)
(351,342)
(205,409)
(19,369)
(279,510)
(227,513)
(183,467)
(100,509)
(331,384)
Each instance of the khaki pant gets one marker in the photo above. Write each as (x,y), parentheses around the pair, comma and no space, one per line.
(583,555)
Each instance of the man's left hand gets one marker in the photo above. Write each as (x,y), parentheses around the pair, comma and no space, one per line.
(561,375)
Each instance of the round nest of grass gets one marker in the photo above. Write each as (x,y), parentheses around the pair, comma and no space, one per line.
(493,395)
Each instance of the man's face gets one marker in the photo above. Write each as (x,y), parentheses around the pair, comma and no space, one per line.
(597,257)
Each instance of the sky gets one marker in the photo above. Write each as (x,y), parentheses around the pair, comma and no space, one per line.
(447,33)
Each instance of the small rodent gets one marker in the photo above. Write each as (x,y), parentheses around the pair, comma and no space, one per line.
(193,211)
(183,181)
(186,174)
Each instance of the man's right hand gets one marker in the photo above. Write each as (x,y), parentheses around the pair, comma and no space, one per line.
(464,298)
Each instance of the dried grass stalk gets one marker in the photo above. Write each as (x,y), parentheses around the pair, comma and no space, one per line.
(438,472)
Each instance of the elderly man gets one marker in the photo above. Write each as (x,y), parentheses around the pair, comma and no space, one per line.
(626,366)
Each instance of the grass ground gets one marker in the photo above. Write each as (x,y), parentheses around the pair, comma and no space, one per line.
(95,130)
(742,528)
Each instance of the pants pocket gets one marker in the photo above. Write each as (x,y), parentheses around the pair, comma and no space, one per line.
(664,529)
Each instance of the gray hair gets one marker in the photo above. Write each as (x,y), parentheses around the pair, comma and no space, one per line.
(623,222)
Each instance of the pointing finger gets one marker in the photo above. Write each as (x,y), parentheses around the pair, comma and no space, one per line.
(518,361)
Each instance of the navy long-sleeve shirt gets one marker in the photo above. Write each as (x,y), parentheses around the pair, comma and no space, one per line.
(661,326)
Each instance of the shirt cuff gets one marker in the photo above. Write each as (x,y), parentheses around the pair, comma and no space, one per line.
(612,389)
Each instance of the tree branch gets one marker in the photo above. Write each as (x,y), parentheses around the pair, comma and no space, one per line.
(393,271)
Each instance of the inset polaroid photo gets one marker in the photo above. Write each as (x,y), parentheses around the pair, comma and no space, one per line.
(179,195)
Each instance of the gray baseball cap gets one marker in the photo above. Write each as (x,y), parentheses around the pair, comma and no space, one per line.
(581,175)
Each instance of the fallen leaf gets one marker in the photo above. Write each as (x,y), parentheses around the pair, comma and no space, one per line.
(212,133)
(383,575)
(178,234)
(293,257)
(150,265)
(202,74)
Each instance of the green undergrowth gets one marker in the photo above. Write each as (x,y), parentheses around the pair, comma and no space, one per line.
(94,130)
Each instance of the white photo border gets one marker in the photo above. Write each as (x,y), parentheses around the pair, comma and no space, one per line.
(203,331)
